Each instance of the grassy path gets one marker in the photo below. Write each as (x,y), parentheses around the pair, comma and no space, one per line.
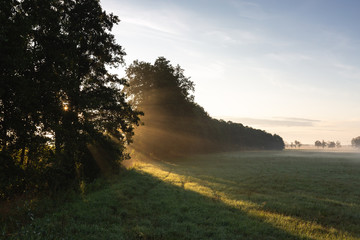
(222,196)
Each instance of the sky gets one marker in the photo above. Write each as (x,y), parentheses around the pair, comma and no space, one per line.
(290,67)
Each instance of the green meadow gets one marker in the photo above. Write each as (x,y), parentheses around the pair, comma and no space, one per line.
(291,194)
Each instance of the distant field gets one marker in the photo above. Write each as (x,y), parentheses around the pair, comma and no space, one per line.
(252,195)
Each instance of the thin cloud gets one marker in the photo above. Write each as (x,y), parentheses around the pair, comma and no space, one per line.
(288,57)
(149,24)
(231,36)
(278,122)
(298,119)
(347,71)
(167,19)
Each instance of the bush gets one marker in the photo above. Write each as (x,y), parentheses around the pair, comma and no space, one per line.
(11,177)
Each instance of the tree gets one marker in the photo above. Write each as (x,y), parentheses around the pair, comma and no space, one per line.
(298,144)
(164,94)
(318,143)
(160,84)
(355,142)
(323,144)
(14,62)
(56,87)
(331,144)
(338,144)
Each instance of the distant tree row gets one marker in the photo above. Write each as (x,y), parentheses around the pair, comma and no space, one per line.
(295,144)
(329,144)
(174,123)
(355,142)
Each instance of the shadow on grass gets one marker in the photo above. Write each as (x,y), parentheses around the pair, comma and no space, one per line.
(140,206)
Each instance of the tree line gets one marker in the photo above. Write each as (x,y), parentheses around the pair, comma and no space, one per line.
(175,124)
(295,144)
(355,142)
(329,144)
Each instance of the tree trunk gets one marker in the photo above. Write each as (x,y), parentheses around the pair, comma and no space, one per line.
(22,155)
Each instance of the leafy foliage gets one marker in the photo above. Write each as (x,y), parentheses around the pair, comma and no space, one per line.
(318,143)
(331,144)
(175,124)
(56,89)
(355,142)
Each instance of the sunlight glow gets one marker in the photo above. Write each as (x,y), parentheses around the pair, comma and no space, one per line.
(65,105)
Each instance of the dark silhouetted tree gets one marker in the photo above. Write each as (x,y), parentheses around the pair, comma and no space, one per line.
(318,143)
(298,144)
(56,89)
(331,144)
(355,142)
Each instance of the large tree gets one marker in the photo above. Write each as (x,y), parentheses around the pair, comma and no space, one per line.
(56,89)
(159,85)
(164,94)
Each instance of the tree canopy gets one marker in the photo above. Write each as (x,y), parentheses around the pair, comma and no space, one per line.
(58,99)
(355,142)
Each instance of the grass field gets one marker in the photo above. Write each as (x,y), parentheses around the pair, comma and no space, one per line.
(241,195)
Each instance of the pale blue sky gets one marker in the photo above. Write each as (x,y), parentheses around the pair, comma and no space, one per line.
(285,66)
